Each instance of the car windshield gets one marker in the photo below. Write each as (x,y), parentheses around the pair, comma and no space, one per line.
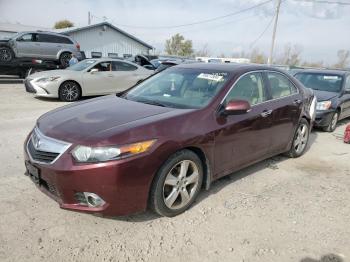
(321,81)
(82,65)
(179,88)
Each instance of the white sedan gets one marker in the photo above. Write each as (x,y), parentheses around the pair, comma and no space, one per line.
(87,78)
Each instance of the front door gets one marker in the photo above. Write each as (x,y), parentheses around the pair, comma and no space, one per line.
(244,139)
(286,106)
(27,46)
(345,99)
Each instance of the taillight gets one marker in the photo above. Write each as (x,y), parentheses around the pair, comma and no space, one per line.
(78,46)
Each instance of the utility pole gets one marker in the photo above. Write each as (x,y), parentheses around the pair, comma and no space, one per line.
(89,18)
(270,60)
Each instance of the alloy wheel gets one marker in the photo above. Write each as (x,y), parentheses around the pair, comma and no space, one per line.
(180,184)
(334,121)
(65,59)
(70,91)
(301,138)
(5,55)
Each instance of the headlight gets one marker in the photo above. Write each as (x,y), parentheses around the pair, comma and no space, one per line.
(102,154)
(325,105)
(48,79)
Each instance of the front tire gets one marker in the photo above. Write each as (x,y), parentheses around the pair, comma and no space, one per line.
(333,124)
(300,140)
(177,184)
(69,91)
(6,54)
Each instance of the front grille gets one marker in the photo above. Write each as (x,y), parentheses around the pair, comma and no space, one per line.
(41,156)
(28,86)
(49,187)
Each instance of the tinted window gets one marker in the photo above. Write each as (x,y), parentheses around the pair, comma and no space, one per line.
(249,88)
(46,38)
(26,38)
(122,66)
(64,40)
(180,88)
(321,81)
(280,85)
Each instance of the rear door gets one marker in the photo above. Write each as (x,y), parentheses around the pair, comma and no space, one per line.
(27,46)
(126,75)
(49,45)
(243,139)
(286,106)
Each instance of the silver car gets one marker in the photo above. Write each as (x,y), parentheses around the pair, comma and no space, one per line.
(40,45)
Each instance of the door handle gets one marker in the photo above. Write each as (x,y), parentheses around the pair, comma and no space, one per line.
(297,102)
(266,113)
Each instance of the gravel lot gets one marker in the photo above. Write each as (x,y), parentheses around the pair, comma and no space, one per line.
(278,210)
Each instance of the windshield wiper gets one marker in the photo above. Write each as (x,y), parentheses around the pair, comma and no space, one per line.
(151,102)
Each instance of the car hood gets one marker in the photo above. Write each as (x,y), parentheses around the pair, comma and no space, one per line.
(77,122)
(324,95)
(49,73)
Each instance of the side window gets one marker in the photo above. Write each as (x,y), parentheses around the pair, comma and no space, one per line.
(103,66)
(347,83)
(26,38)
(45,38)
(63,40)
(250,88)
(122,66)
(280,85)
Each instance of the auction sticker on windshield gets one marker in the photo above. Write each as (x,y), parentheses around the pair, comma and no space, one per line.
(212,77)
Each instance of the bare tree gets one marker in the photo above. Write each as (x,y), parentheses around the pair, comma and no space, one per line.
(317,64)
(258,57)
(290,55)
(204,51)
(343,59)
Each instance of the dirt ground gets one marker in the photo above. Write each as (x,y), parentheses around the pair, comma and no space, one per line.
(278,210)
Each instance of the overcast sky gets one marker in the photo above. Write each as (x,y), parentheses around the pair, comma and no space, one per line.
(320,29)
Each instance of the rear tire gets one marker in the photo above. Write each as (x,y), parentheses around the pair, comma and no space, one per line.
(64,59)
(300,139)
(333,124)
(69,91)
(6,54)
(177,184)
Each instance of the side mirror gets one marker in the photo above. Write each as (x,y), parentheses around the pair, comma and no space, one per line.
(94,70)
(236,107)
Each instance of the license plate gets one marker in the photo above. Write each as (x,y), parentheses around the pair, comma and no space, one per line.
(33,172)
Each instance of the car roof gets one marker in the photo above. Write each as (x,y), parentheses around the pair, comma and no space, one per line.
(324,71)
(103,59)
(228,67)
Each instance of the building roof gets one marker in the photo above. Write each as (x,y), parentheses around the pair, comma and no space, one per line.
(14,28)
(77,29)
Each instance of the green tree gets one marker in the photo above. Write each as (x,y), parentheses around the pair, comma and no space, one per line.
(177,45)
(63,24)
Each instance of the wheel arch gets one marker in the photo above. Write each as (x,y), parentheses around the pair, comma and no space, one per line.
(61,52)
(205,163)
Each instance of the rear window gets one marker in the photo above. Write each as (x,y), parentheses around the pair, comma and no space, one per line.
(321,81)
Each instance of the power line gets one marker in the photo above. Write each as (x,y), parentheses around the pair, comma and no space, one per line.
(324,2)
(263,33)
(197,22)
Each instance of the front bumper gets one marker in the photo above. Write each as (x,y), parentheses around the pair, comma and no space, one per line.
(323,118)
(50,89)
(123,184)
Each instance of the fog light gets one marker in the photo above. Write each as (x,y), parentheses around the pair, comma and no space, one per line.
(89,199)
(93,200)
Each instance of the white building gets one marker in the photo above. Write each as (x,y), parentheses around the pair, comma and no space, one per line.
(107,40)
(102,39)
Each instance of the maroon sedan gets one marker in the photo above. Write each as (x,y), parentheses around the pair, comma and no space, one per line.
(159,143)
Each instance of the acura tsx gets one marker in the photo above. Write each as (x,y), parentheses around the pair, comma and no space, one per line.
(159,143)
